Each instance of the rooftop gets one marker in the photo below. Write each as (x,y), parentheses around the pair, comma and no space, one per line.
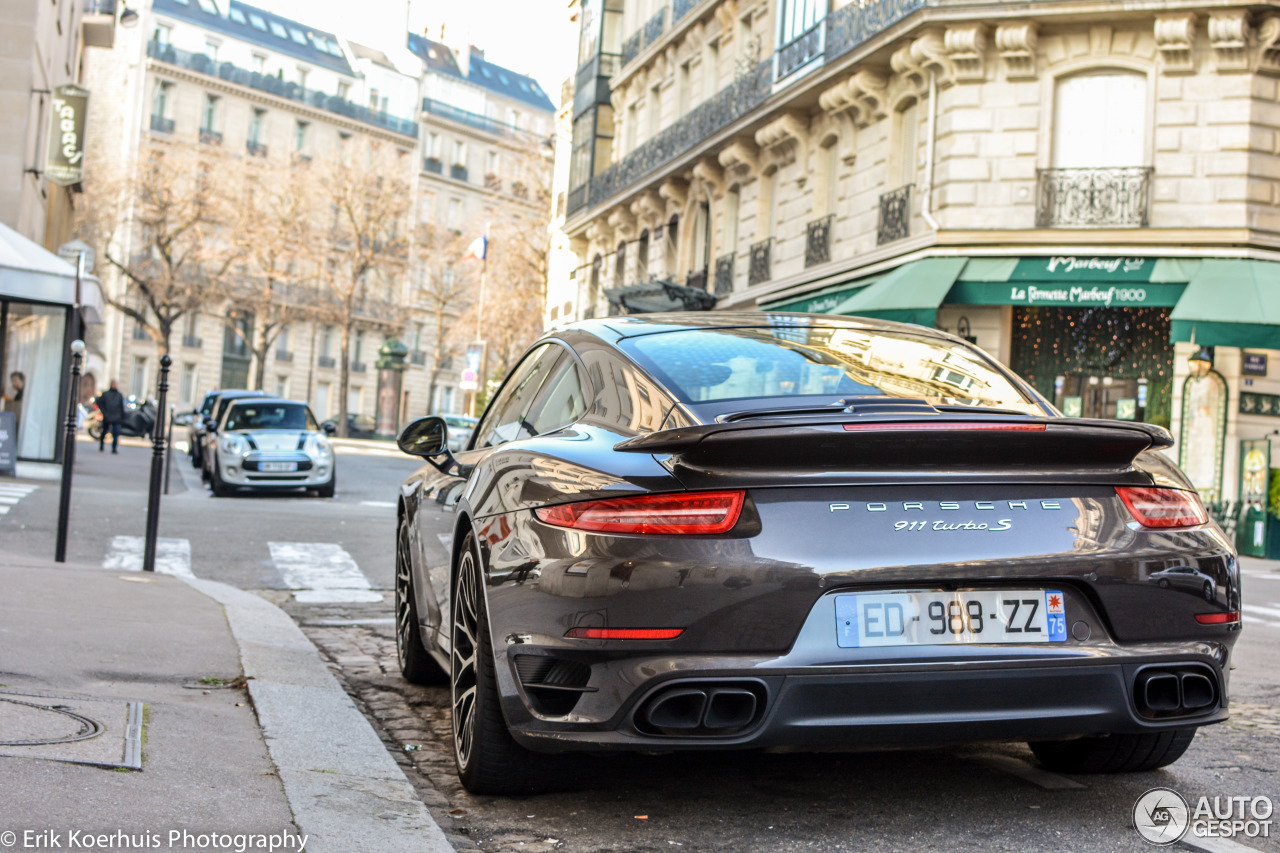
(502,81)
(258,26)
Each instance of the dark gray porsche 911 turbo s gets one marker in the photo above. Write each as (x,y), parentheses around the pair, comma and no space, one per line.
(748,531)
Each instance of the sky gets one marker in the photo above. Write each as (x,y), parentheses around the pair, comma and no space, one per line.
(528,36)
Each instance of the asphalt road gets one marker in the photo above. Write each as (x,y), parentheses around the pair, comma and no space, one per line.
(990,797)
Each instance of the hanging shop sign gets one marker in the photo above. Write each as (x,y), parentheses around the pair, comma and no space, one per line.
(1083,268)
(64,160)
(1204,429)
(1162,295)
(1254,364)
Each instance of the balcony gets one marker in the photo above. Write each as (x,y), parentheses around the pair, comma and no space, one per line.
(492,182)
(761,267)
(520,191)
(358,367)
(680,8)
(418,357)
(160,124)
(476,120)
(591,82)
(724,107)
(646,35)
(326,361)
(800,51)
(894,221)
(231,73)
(255,149)
(283,355)
(210,137)
(697,280)
(433,165)
(192,342)
(1093,198)
(724,274)
(458,172)
(853,24)
(140,333)
(817,243)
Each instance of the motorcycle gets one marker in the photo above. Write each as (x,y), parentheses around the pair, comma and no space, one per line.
(139,418)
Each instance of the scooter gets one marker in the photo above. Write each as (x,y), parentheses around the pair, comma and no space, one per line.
(139,417)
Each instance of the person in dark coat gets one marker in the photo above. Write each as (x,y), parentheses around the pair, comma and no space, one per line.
(13,402)
(111,404)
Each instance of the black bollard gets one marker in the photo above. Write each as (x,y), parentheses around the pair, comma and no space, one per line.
(157,468)
(68,453)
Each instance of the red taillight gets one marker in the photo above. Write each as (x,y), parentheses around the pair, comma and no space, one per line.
(624,633)
(945,425)
(1218,618)
(684,513)
(1164,508)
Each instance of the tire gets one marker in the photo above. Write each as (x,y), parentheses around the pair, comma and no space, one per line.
(416,665)
(327,490)
(1163,583)
(95,431)
(196,460)
(1207,591)
(489,760)
(1120,753)
(220,489)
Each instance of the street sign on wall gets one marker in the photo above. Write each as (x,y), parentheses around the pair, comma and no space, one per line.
(64,160)
(471,368)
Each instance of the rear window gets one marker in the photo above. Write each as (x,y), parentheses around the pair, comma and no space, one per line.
(711,365)
(271,416)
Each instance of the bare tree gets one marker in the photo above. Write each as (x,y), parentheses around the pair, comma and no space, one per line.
(363,248)
(159,229)
(446,290)
(275,276)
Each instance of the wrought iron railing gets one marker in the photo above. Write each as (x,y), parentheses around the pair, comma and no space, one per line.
(492,182)
(1088,198)
(458,172)
(697,279)
(160,124)
(476,120)
(801,50)
(631,47)
(817,242)
(894,221)
(578,196)
(271,84)
(140,333)
(761,267)
(210,137)
(192,342)
(853,24)
(283,355)
(725,106)
(680,8)
(418,357)
(255,149)
(432,164)
(724,274)
(645,36)
(358,367)
(590,84)
(326,361)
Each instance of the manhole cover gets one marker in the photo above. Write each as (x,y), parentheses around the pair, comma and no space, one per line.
(76,729)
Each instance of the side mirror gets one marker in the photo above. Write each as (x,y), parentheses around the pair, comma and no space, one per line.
(210,425)
(329,427)
(425,437)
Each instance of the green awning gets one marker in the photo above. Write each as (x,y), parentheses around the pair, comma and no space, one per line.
(909,294)
(822,301)
(1230,303)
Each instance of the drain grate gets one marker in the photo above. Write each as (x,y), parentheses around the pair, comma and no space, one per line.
(75,729)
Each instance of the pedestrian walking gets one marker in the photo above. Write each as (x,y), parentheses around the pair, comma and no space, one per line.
(111,404)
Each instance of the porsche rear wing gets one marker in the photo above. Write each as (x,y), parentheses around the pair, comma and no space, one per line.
(891,448)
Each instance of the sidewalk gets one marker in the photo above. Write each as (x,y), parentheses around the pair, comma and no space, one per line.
(307,763)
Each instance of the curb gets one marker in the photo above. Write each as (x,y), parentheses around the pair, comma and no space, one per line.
(345,790)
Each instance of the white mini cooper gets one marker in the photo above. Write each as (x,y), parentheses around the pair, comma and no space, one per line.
(272,444)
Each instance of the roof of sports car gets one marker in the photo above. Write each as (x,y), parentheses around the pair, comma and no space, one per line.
(630,325)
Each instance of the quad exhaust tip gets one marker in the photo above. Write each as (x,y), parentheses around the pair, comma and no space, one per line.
(702,709)
(1162,693)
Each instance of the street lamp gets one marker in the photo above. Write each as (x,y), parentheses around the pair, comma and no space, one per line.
(1201,362)
(128,17)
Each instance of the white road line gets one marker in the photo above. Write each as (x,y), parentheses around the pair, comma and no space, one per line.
(17,491)
(4,510)
(1264,611)
(1266,576)
(379,504)
(173,556)
(321,572)
(1254,620)
(10,499)
(1214,845)
(1037,776)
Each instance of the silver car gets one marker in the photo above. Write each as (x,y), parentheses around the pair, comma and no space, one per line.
(460,429)
(272,444)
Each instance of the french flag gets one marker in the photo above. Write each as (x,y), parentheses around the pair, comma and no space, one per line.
(478,250)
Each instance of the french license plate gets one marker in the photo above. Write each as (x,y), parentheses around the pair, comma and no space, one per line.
(279,466)
(950,618)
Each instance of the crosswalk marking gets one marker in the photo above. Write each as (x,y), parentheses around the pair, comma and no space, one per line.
(173,556)
(321,573)
(11,494)
(1273,612)
(379,504)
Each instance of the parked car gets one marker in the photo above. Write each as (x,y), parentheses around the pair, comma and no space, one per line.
(677,532)
(460,429)
(206,412)
(266,443)
(361,426)
(1189,580)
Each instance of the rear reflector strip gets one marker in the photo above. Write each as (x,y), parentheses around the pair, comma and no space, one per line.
(945,426)
(1218,618)
(624,633)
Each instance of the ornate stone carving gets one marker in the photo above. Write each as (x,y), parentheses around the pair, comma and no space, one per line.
(623,223)
(1016,44)
(675,191)
(708,171)
(741,157)
(727,16)
(1229,36)
(786,139)
(1176,40)
(929,53)
(863,95)
(648,210)
(967,46)
(1267,51)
